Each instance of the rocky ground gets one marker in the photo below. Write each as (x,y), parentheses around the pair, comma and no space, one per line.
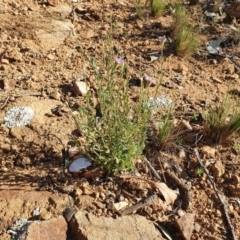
(41,56)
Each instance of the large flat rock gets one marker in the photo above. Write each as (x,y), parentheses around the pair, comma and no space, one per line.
(20,202)
(89,227)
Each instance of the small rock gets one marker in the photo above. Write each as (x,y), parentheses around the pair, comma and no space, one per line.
(55,94)
(218,168)
(9,84)
(3,8)
(15,55)
(78,192)
(80,88)
(236,180)
(4,169)
(214,228)
(139,24)
(45,215)
(26,161)
(187,124)
(36,212)
(15,148)
(50,56)
(120,205)
(68,213)
(87,34)
(182,69)
(228,67)
(6,147)
(53,2)
(185,225)
(181,153)
(197,227)
(209,152)
(59,32)
(5,61)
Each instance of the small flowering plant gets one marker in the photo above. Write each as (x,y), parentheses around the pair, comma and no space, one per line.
(162,40)
(18,116)
(119,61)
(148,81)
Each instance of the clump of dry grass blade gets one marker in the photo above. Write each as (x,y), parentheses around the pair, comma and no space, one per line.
(183,33)
(167,135)
(219,124)
(171,137)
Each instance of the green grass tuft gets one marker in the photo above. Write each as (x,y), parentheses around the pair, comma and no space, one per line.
(158,7)
(219,124)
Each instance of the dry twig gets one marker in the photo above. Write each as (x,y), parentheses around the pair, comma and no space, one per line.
(19,95)
(153,169)
(185,190)
(220,197)
(139,205)
(5,102)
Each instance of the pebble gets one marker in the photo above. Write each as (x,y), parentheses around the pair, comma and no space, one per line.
(197,227)
(78,192)
(53,2)
(15,55)
(45,215)
(69,213)
(6,147)
(4,169)
(55,94)
(80,88)
(50,56)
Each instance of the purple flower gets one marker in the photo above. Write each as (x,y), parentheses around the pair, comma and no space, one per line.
(162,39)
(119,61)
(148,79)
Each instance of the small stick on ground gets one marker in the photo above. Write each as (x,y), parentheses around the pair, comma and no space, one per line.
(5,102)
(139,205)
(19,95)
(220,197)
(185,190)
(136,177)
(28,94)
(153,169)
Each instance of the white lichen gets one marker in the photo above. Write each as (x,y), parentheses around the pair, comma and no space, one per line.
(161,102)
(18,116)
